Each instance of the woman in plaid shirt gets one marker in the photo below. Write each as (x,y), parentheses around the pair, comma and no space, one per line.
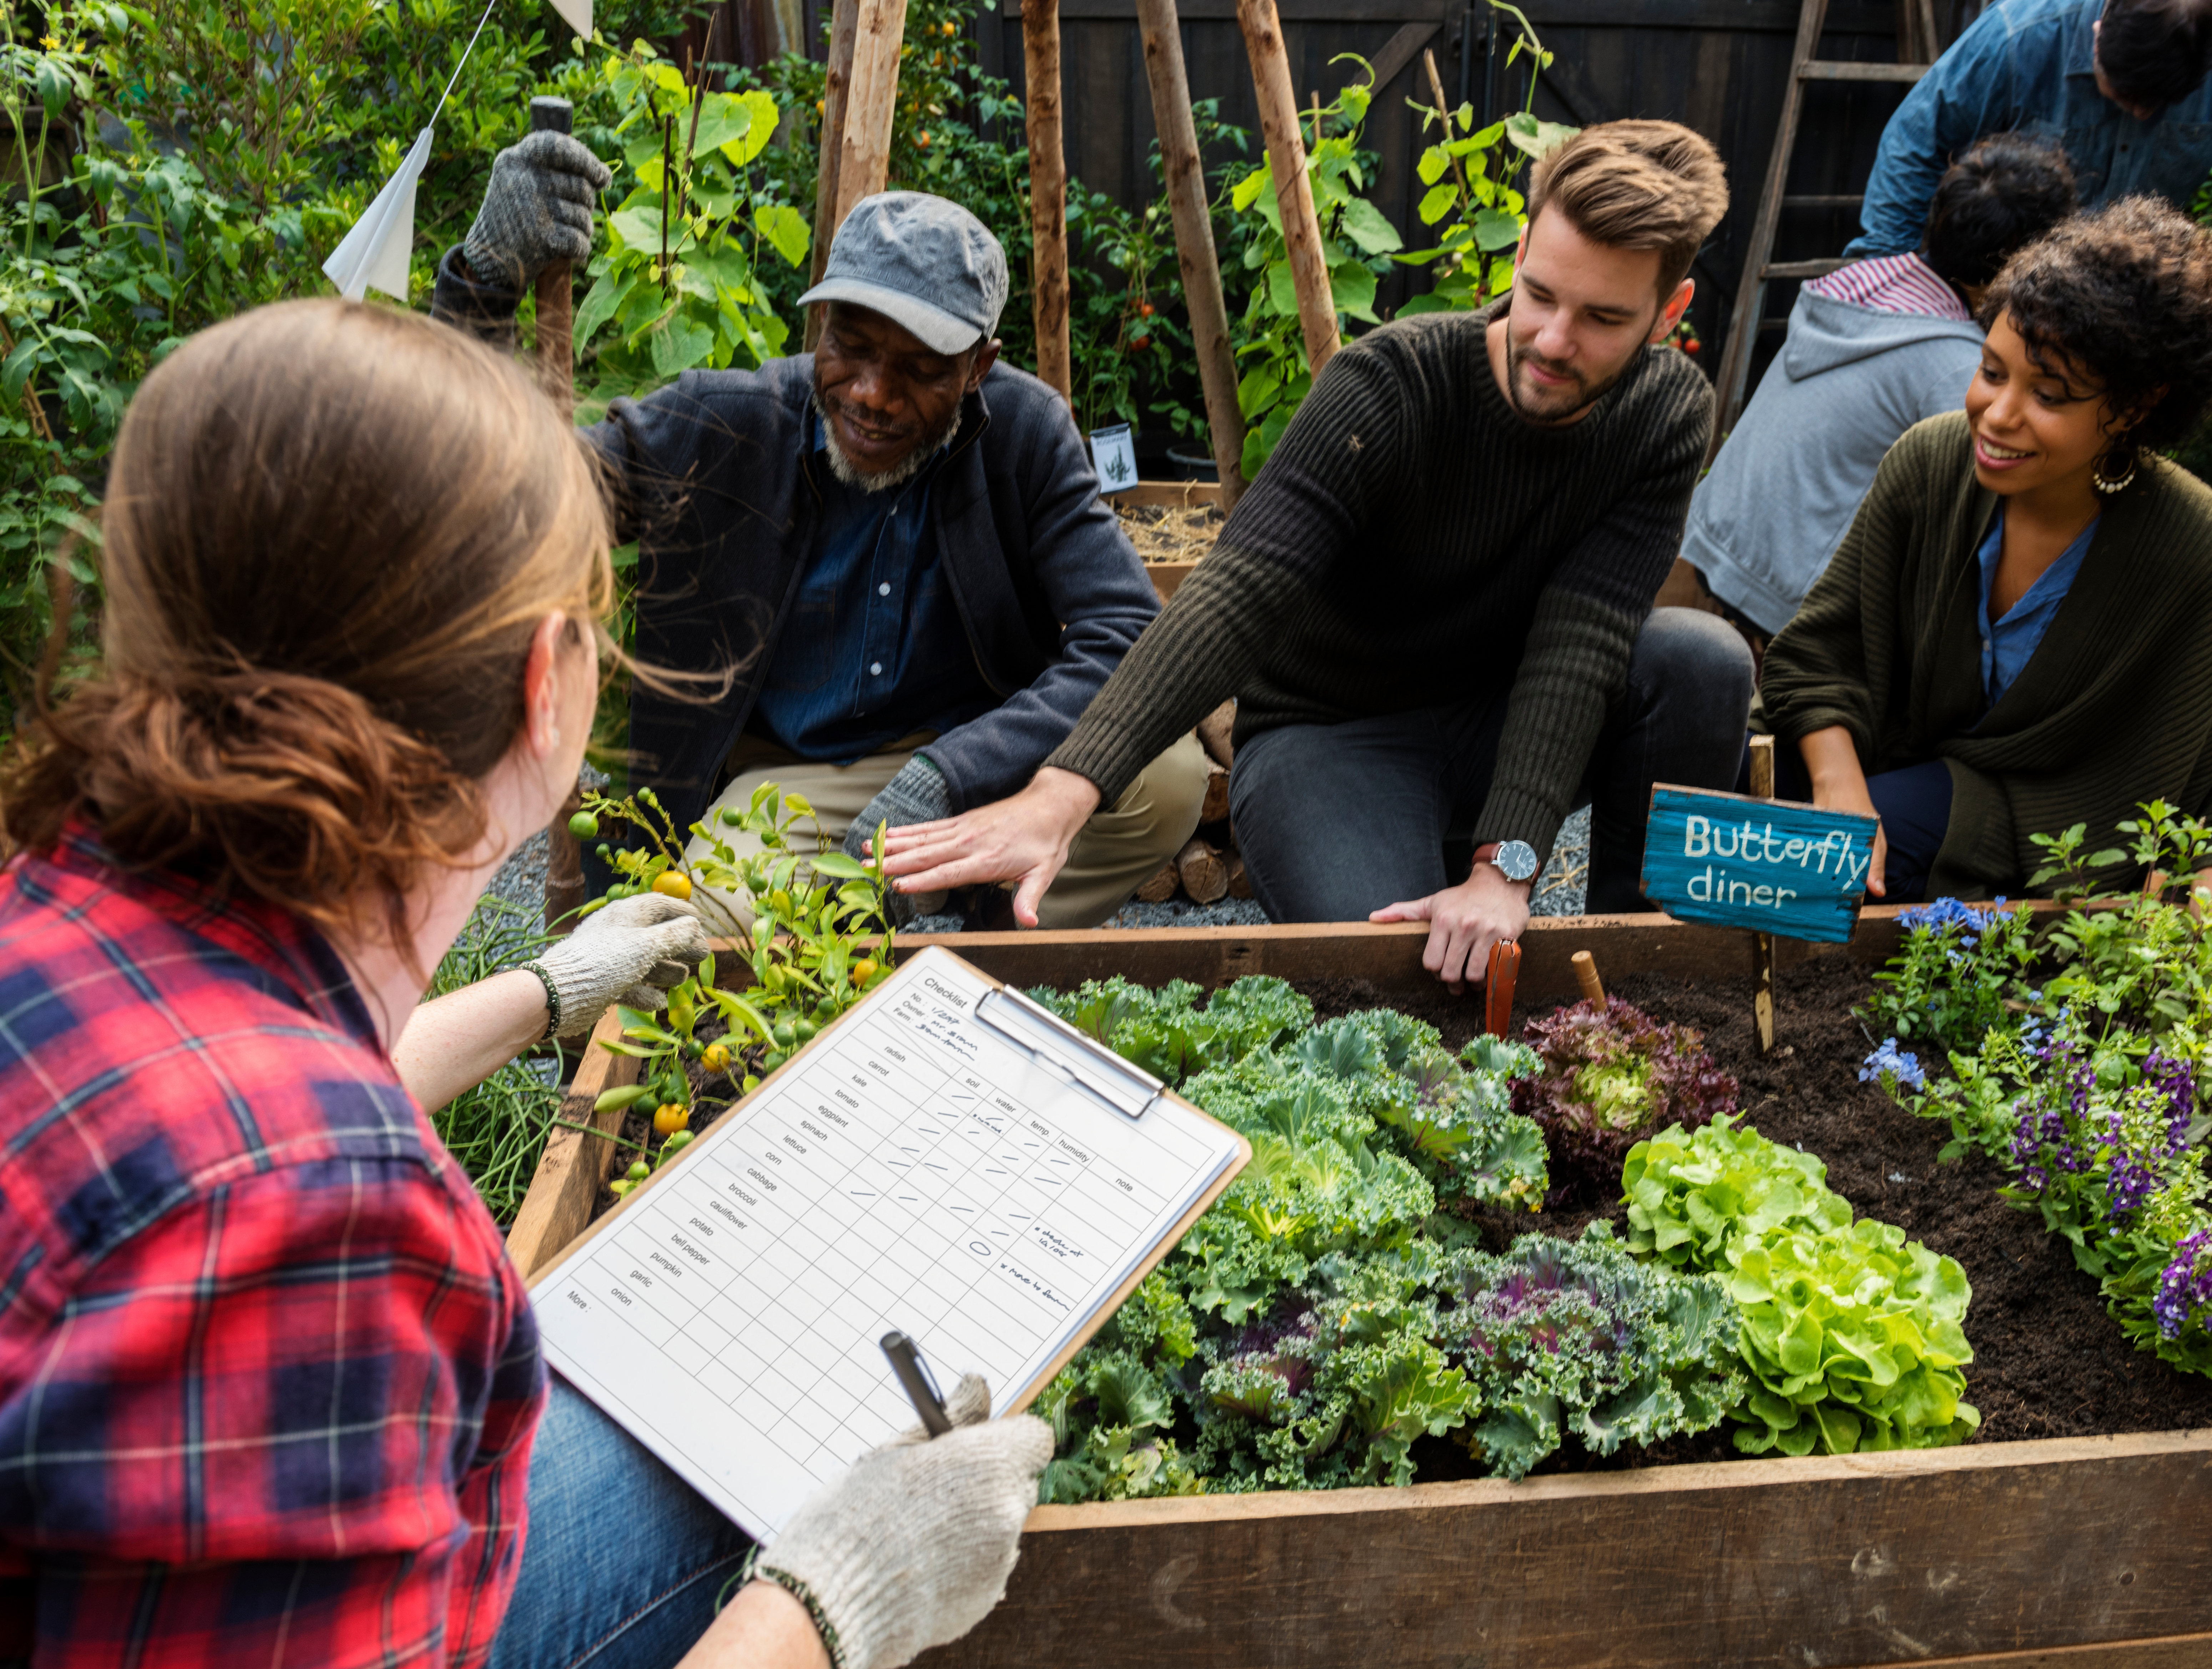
(269,1386)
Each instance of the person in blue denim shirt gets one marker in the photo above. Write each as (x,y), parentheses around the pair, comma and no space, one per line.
(894,545)
(2119,85)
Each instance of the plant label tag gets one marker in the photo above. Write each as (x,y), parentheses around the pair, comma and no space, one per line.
(1775,866)
(1114,455)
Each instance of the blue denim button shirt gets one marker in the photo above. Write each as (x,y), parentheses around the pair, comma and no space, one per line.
(2028,65)
(2007,644)
(874,648)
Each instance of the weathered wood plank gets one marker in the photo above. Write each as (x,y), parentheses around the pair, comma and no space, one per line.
(1388,955)
(1849,1560)
(574,1166)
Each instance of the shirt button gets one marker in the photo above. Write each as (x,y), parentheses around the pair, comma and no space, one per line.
(876,668)
(884,590)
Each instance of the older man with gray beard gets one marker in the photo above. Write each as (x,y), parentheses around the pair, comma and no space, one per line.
(894,546)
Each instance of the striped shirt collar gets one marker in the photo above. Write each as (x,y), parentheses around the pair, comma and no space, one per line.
(1892,284)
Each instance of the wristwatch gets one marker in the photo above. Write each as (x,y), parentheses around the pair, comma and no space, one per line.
(1515,860)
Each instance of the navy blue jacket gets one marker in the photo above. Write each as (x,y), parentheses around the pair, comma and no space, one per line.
(711,480)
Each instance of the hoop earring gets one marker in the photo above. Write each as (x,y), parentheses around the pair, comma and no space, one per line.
(2110,485)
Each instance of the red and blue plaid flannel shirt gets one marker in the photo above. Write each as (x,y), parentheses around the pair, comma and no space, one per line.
(268,1382)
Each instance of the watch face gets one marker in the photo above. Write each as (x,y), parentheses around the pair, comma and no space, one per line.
(1516,859)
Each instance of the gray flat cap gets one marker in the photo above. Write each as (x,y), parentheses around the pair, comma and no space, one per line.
(922,262)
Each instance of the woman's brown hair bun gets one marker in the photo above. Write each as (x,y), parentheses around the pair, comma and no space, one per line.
(331,530)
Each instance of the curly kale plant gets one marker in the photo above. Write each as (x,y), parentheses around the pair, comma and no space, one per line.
(1168,1034)
(1560,1337)
(1852,1335)
(1609,1078)
(1312,1328)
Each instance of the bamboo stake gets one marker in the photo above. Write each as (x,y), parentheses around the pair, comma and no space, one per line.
(1048,194)
(836,87)
(1279,125)
(1185,174)
(1762,999)
(1585,967)
(1443,110)
(864,147)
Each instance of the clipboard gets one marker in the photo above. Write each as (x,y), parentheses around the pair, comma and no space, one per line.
(682,1311)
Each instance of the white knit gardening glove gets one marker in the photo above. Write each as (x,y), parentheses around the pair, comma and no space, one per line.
(537,208)
(628,951)
(913,1547)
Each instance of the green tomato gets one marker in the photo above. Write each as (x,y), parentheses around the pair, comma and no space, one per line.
(785,1035)
(732,816)
(638,1171)
(676,1142)
(805,1030)
(583,826)
(774,1059)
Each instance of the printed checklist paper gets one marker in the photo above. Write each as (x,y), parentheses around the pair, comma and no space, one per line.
(915,1169)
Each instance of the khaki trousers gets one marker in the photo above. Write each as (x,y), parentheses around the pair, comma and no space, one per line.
(1115,851)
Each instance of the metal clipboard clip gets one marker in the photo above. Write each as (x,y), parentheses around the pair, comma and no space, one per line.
(1068,1054)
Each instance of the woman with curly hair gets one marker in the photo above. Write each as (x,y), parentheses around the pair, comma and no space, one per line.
(2016,635)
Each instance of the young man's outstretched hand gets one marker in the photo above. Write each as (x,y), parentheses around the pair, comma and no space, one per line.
(1024,838)
(1465,921)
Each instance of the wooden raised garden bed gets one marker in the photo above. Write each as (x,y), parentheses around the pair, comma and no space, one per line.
(1168,497)
(2064,1553)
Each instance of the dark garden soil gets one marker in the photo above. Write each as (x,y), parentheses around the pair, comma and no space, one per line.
(2048,1361)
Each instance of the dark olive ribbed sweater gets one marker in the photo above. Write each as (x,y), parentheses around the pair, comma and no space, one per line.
(1414,542)
(2115,705)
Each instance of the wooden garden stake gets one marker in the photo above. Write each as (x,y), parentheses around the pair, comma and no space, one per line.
(836,87)
(1185,176)
(556,300)
(864,158)
(1762,999)
(1279,127)
(1437,92)
(1585,967)
(1048,194)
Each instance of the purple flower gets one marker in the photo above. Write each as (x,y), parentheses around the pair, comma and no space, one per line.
(2184,1291)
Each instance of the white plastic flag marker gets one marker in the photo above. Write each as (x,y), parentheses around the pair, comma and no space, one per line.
(578,13)
(376,251)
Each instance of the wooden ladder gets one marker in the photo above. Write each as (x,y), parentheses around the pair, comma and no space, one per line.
(1917,46)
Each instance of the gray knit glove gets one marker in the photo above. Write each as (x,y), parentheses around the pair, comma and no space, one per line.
(916,795)
(628,951)
(913,1547)
(537,208)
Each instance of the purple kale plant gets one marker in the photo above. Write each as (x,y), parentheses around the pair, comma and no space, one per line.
(1611,1078)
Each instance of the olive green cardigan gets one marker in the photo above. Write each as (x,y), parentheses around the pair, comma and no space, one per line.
(2114,707)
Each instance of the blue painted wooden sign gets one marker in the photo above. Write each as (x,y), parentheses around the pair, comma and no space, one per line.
(1777,866)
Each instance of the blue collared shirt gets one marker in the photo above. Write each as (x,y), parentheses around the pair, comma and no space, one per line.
(874,649)
(2007,644)
(2027,65)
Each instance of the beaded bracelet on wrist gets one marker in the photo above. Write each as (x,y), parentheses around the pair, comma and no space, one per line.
(552,996)
(755,1571)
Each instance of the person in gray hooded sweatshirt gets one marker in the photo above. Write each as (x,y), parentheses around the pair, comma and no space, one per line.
(1873,348)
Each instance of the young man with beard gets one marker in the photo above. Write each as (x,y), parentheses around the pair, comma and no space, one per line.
(893,546)
(1434,605)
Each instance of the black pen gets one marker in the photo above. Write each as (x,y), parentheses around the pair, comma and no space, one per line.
(913,1374)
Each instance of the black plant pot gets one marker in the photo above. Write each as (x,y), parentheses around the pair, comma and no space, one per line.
(1193,466)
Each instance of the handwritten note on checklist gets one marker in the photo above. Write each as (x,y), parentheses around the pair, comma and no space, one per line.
(986,1181)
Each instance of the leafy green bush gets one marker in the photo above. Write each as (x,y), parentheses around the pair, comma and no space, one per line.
(1852,1335)
(1609,1078)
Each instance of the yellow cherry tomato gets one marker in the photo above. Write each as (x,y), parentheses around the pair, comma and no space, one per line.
(864,970)
(671,1116)
(716,1058)
(672,884)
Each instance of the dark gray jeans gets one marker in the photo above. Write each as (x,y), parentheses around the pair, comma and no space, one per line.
(1337,820)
